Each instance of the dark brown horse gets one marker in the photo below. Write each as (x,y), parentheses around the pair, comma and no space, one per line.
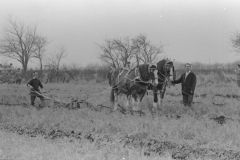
(132,83)
(166,74)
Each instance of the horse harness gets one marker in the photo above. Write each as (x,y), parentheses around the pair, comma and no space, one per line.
(134,80)
(165,79)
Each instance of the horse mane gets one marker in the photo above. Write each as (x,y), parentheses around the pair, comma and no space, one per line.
(144,73)
(160,66)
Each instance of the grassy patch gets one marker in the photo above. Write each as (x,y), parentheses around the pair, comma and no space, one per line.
(176,124)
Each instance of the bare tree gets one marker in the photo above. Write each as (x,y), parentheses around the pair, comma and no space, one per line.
(62,53)
(144,51)
(18,42)
(109,55)
(124,50)
(40,52)
(56,59)
(235,41)
(116,52)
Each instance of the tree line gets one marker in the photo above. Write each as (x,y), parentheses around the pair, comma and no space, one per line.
(99,71)
(23,42)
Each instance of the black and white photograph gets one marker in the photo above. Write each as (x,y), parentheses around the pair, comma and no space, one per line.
(119,80)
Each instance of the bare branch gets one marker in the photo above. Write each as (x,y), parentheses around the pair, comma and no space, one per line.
(56,59)
(144,51)
(18,42)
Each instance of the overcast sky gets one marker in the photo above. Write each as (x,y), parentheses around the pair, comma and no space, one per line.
(191,30)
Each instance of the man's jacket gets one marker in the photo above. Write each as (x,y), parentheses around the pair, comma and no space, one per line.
(188,84)
(18,75)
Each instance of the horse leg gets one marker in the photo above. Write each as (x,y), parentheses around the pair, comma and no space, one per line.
(161,103)
(127,102)
(138,102)
(115,100)
(160,100)
(155,99)
(135,101)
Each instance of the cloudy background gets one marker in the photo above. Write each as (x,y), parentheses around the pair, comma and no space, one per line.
(190,30)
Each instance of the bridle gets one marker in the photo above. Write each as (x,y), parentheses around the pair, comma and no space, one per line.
(139,77)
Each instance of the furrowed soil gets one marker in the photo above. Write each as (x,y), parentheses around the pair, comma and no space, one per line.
(89,130)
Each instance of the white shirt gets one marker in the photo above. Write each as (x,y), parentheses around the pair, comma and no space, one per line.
(186,74)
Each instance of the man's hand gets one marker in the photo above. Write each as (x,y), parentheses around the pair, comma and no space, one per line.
(43,90)
(30,87)
(169,83)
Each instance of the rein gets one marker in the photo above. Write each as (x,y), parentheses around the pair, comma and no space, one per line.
(137,78)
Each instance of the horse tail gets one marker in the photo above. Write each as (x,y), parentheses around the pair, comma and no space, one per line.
(112,96)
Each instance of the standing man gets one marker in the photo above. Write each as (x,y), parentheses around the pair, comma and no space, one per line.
(34,85)
(188,81)
(238,75)
(18,77)
(46,77)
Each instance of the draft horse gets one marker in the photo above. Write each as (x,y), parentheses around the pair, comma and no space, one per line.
(132,83)
(166,74)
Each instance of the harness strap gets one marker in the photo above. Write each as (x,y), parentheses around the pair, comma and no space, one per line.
(124,79)
(138,76)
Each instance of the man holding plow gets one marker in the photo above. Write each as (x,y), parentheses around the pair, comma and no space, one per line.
(34,85)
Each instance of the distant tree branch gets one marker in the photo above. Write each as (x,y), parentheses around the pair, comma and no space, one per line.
(18,42)
(235,42)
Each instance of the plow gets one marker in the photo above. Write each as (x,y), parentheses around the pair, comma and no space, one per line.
(76,103)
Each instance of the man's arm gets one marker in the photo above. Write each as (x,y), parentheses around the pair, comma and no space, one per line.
(178,81)
(194,82)
(29,84)
(40,84)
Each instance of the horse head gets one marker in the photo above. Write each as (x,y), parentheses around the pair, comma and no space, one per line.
(149,72)
(153,73)
(165,70)
(169,69)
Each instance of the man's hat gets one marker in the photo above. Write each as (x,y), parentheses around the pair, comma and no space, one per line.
(188,65)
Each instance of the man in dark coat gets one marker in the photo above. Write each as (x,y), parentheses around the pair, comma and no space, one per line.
(34,85)
(188,81)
